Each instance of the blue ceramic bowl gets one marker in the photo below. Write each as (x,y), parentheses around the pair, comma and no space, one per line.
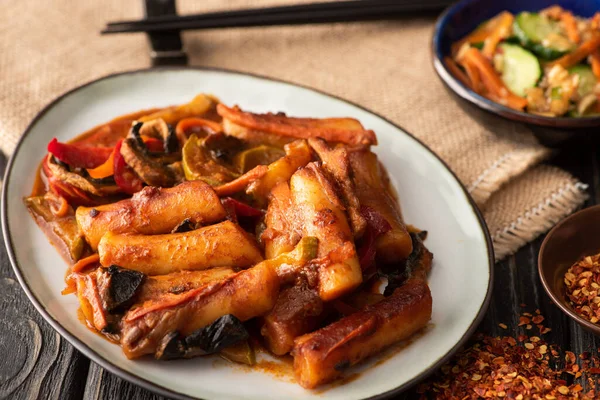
(461,19)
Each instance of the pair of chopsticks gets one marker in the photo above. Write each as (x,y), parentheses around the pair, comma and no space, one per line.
(314,13)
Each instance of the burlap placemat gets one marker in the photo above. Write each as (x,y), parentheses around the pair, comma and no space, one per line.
(384,66)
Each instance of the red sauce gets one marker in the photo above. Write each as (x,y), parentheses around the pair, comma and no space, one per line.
(282,369)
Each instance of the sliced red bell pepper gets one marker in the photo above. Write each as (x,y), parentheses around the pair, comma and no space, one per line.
(73,195)
(124,176)
(154,145)
(377,225)
(240,209)
(79,156)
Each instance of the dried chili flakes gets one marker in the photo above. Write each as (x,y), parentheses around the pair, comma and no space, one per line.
(582,282)
(509,368)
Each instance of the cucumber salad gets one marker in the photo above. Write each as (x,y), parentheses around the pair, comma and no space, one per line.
(545,63)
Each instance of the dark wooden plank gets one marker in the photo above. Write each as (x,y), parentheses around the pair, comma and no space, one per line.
(101,385)
(35,362)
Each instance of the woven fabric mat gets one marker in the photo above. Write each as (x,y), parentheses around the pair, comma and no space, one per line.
(384,66)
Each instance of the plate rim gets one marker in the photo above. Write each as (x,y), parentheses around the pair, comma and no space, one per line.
(91,354)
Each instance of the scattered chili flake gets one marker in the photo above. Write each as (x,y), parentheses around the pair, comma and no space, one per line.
(505,367)
(594,371)
(524,320)
(544,330)
(563,390)
(503,326)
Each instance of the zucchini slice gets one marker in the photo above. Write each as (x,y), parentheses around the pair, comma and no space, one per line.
(587,79)
(541,35)
(521,69)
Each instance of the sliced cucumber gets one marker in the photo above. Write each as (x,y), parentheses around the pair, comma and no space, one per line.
(587,79)
(541,35)
(521,69)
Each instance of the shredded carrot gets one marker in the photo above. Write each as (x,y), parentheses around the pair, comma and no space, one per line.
(187,126)
(595,61)
(481,33)
(104,170)
(502,30)
(71,282)
(85,262)
(242,182)
(457,72)
(492,82)
(581,52)
(473,74)
(62,210)
(172,299)
(554,12)
(516,102)
(570,25)
(596,21)
(92,295)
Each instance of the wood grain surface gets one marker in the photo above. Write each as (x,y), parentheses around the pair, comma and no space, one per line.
(36,363)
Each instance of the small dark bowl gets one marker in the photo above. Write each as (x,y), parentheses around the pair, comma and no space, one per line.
(573,238)
(462,18)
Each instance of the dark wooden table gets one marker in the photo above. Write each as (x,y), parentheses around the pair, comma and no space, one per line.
(36,363)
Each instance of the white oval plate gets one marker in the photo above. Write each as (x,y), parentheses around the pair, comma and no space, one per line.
(431,197)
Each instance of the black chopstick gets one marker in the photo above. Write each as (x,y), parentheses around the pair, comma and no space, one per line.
(344,11)
(257,11)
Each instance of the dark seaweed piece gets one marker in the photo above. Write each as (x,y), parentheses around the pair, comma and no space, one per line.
(112,331)
(151,170)
(171,347)
(124,286)
(184,226)
(223,332)
(171,144)
(138,142)
(62,164)
(135,132)
(223,147)
(109,180)
(414,264)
